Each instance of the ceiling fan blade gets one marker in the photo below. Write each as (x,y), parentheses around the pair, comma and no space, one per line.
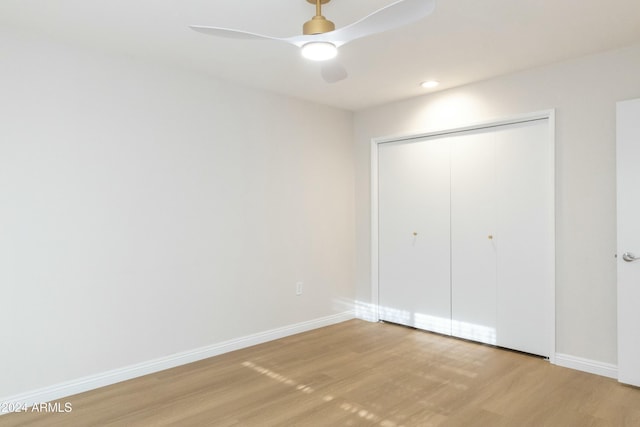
(229,33)
(395,15)
(333,72)
(232,34)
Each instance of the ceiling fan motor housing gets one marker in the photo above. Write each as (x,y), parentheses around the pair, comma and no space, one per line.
(318,25)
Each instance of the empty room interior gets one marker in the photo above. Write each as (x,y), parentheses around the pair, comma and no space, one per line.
(319,213)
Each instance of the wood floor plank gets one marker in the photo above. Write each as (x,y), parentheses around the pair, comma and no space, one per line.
(357,373)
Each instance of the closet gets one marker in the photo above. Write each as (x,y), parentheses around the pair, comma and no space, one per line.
(465,233)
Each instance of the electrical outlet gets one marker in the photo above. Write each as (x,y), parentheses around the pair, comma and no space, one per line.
(299,288)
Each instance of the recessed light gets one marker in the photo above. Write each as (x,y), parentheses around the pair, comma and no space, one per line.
(430,84)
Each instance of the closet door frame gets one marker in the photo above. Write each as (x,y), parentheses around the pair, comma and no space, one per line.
(371,311)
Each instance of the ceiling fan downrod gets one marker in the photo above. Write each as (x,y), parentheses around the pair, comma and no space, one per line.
(318,24)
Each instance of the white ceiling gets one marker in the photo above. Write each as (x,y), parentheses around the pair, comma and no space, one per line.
(462,42)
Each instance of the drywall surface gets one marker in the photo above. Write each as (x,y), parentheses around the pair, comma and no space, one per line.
(146,211)
(584,93)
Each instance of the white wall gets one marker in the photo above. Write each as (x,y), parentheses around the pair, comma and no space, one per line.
(584,92)
(145,212)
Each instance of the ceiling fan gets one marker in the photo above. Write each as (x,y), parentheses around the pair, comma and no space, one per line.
(320,40)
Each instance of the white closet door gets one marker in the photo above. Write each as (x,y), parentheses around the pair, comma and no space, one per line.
(628,203)
(473,236)
(414,280)
(524,236)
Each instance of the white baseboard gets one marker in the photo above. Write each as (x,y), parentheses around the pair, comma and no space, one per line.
(366,311)
(587,365)
(69,388)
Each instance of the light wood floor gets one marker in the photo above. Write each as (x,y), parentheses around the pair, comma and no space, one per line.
(357,374)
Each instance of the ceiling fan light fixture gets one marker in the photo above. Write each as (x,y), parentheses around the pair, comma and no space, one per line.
(319,51)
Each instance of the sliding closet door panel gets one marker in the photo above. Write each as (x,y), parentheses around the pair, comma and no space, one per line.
(413,235)
(473,236)
(524,236)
